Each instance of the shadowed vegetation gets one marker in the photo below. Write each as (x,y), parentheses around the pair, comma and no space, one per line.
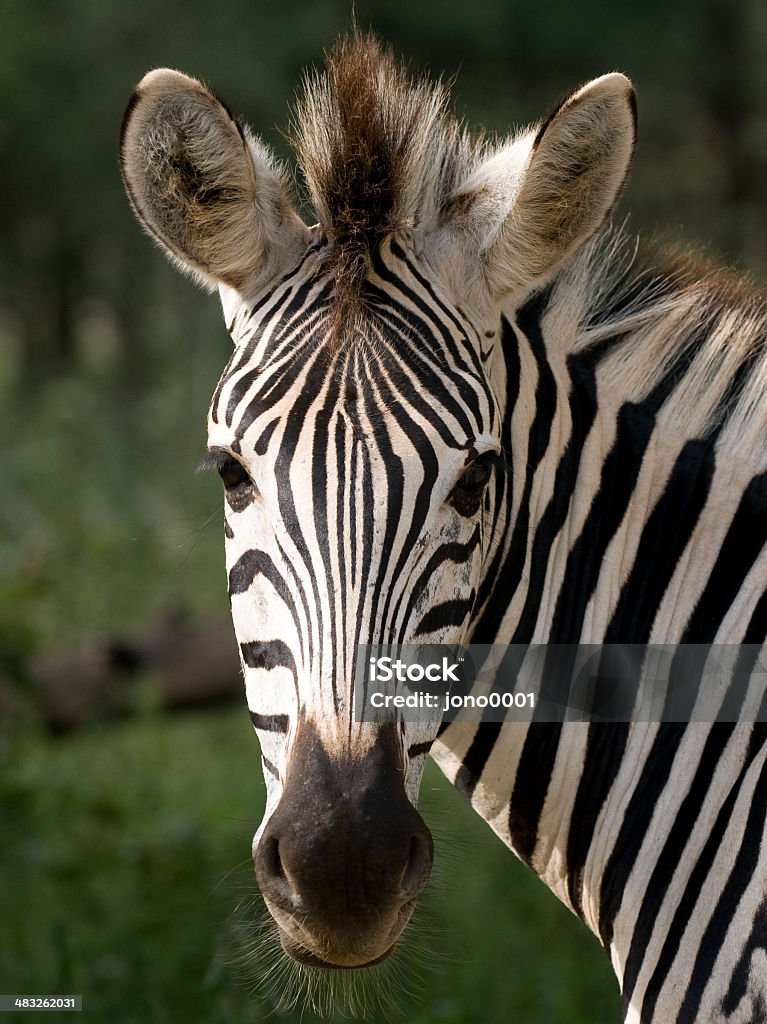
(129,851)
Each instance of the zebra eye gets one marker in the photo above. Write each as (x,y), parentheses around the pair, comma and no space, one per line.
(476,476)
(234,475)
(468,492)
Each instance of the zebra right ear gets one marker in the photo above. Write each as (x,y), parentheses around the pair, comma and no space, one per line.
(204,187)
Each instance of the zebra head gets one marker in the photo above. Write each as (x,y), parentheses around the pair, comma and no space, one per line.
(360,426)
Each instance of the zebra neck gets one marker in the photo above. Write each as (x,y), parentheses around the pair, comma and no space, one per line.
(623,525)
(611,513)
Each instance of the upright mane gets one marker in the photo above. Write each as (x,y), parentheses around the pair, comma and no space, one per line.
(378,149)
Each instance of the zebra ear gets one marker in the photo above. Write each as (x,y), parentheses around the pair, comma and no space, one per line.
(203,187)
(531,205)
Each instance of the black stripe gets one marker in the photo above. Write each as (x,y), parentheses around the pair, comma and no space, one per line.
(269,723)
(476,756)
(268,655)
(448,613)
(435,302)
(454,552)
(294,426)
(531,786)
(740,548)
(255,563)
(605,748)
(298,585)
(292,307)
(488,624)
(242,356)
(418,749)
(428,308)
(355,454)
(418,511)
(666,745)
(321,451)
(756,631)
(263,442)
(687,667)
(741,875)
(277,385)
(431,389)
(393,490)
(746,663)
(664,538)
(363,491)
(344,503)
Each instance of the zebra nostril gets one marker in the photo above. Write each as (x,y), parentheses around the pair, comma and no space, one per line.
(273,861)
(418,867)
(272,875)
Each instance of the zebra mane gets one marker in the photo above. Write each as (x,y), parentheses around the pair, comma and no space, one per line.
(378,149)
(675,322)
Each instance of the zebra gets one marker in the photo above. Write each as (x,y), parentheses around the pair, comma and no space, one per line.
(457,410)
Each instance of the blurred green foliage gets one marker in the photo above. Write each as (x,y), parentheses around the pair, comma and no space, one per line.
(115,842)
(119,843)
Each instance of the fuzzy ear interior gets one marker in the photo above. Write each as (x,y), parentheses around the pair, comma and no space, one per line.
(204,187)
(536,201)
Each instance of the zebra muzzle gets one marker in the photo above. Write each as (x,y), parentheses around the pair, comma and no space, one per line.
(345,855)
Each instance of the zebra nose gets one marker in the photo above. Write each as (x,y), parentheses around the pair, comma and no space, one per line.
(341,895)
(296,868)
(343,857)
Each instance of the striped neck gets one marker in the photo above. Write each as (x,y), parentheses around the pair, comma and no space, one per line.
(613,505)
(614,510)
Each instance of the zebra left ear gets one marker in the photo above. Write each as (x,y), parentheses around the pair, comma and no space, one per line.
(531,205)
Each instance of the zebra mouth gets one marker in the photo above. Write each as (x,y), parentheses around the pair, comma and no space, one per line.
(298,950)
(309,959)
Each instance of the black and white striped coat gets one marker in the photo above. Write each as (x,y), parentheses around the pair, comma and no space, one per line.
(454,411)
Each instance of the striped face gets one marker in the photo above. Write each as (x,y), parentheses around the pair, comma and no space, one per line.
(356,471)
(355,474)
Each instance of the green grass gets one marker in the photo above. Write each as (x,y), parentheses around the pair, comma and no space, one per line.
(125,849)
